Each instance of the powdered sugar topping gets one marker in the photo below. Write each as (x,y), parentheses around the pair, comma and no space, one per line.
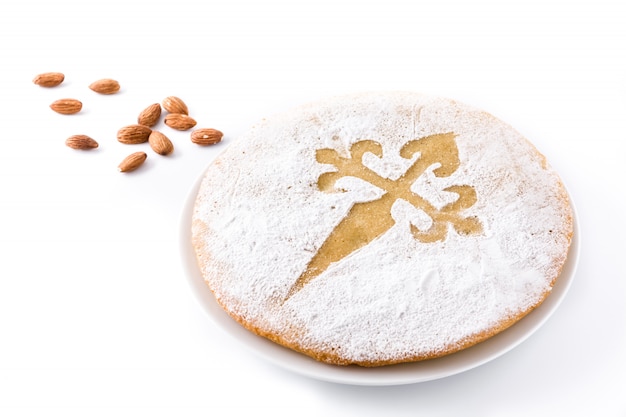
(260,217)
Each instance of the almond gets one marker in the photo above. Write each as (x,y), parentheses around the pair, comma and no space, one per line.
(67,106)
(82,142)
(150,115)
(175,105)
(206,136)
(133,134)
(132,162)
(49,79)
(105,86)
(160,143)
(179,121)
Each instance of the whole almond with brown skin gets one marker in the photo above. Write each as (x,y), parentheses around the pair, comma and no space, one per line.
(179,121)
(173,104)
(160,143)
(206,136)
(150,115)
(82,142)
(67,106)
(49,79)
(105,86)
(133,134)
(132,162)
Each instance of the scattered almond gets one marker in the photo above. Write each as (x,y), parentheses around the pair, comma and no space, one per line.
(132,162)
(179,121)
(160,143)
(82,142)
(175,105)
(177,118)
(206,136)
(133,134)
(150,115)
(105,86)
(67,106)
(49,79)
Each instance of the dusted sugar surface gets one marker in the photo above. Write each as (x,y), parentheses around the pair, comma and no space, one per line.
(260,217)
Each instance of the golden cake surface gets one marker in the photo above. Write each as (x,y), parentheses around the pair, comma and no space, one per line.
(381,228)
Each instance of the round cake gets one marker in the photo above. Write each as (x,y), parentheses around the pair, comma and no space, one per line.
(381,228)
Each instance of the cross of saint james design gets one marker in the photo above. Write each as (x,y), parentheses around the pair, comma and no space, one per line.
(368,220)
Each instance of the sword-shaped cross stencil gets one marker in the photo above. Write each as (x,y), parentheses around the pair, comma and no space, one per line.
(368,220)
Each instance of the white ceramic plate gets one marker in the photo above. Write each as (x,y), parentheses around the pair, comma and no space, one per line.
(388,375)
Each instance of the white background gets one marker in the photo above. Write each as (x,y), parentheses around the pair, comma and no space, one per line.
(96,316)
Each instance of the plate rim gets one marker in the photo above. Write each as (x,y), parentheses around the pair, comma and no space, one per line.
(399,374)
